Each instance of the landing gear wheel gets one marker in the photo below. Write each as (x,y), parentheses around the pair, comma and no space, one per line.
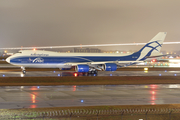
(85,74)
(95,72)
(24,71)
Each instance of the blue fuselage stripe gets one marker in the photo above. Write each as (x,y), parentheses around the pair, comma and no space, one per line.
(71,59)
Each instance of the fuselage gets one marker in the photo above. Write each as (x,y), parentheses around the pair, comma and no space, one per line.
(49,59)
(85,62)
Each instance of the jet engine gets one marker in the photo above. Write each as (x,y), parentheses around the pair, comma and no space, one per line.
(110,67)
(82,68)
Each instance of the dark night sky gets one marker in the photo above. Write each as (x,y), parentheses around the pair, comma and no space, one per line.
(73,22)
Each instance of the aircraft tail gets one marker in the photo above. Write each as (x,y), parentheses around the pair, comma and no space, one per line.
(152,48)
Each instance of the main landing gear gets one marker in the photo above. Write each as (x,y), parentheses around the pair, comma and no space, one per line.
(92,71)
(23,70)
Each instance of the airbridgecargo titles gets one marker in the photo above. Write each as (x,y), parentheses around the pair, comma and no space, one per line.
(34,54)
(86,62)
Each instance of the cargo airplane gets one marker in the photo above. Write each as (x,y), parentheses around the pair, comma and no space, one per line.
(86,62)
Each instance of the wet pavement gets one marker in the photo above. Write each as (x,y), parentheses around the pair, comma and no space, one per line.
(87,95)
(100,73)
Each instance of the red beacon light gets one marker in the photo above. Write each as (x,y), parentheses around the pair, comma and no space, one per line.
(153,60)
(75,74)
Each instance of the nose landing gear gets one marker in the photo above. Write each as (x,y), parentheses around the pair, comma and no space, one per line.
(23,70)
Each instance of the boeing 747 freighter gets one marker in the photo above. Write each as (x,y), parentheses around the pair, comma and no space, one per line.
(86,62)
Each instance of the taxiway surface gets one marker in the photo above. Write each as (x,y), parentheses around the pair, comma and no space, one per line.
(87,95)
(100,73)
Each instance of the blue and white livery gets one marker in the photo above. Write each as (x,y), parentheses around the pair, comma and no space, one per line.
(86,62)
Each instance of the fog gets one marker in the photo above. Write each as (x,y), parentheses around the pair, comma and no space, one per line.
(74,22)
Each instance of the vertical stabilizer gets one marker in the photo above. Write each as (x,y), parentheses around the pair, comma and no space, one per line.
(153,47)
(155,43)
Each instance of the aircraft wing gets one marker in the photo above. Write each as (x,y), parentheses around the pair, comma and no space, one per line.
(96,63)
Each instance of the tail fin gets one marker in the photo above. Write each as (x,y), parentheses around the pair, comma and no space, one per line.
(153,47)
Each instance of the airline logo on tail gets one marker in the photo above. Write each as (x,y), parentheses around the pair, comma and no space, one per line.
(153,47)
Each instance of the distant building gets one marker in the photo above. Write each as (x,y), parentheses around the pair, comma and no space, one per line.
(87,50)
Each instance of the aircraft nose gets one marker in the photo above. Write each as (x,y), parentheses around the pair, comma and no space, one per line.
(8,60)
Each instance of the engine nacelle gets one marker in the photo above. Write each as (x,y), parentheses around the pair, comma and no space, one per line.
(82,68)
(110,67)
